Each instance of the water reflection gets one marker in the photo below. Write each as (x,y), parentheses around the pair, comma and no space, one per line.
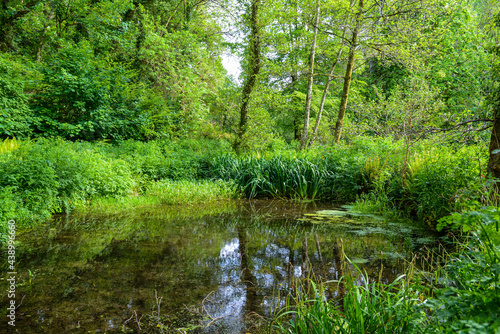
(210,265)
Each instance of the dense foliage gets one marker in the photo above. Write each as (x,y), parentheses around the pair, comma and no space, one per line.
(113,101)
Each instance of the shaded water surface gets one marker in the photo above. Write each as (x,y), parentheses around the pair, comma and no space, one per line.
(226,265)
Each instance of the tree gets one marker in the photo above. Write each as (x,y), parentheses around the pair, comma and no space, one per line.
(307,111)
(353,44)
(494,102)
(253,69)
(400,30)
(327,84)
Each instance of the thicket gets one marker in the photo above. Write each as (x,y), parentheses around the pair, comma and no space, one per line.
(47,176)
(41,177)
(426,184)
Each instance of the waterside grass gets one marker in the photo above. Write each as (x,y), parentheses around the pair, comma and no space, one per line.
(445,293)
(165,192)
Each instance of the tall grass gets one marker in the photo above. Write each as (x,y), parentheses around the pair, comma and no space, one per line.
(365,308)
(278,177)
(189,192)
(461,295)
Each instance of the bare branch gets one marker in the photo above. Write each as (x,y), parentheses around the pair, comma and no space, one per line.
(435,130)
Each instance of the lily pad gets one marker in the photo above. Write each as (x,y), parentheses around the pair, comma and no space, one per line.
(332,213)
(359,261)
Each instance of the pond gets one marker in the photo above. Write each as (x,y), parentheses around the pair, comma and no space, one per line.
(217,268)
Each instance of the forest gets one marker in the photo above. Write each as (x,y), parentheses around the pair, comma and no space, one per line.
(113,110)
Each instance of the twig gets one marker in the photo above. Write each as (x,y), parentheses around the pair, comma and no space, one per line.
(21,302)
(215,319)
(129,319)
(205,310)
(158,302)
(138,321)
(433,130)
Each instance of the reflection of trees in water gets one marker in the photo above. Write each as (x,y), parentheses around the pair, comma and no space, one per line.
(249,279)
(338,263)
(181,259)
(305,258)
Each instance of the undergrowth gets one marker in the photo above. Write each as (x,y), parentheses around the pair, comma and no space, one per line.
(463,298)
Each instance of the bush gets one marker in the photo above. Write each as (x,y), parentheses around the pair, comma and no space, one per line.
(470,301)
(33,180)
(81,97)
(51,176)
(434,183)
(15,114)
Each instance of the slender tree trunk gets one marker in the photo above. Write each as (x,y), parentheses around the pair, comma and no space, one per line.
(348,73)
(329,80)
(494,162)
(323,97)
(307,112)
(252,76)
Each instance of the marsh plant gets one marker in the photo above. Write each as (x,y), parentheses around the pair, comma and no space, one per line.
(463,298)
(369,307)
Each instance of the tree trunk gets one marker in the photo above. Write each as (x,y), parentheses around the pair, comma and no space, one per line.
(323,97)
(248,278)
(252,76)
(494,162)
(348,74)
(44,32)
(329,80)
(307,112)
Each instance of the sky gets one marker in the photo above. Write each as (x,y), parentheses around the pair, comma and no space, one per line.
(232,65)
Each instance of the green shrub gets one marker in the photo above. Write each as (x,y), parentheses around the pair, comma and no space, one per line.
(34,182)
(146,160)
(50,176)
(470,301)
(434,183)
(161,159)
(80,96)
(11,207)
(15,114)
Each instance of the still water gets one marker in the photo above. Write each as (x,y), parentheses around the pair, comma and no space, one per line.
(219,268)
